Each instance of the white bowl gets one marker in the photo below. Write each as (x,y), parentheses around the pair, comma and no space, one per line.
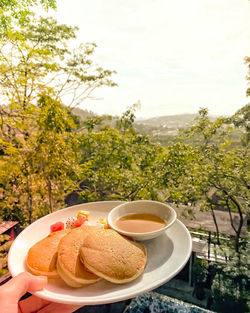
(160,209)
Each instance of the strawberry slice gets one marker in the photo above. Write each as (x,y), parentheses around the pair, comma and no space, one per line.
(80,221)
(56,227)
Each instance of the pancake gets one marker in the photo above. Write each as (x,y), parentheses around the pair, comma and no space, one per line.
(113,257)
(42,256)
(69,265)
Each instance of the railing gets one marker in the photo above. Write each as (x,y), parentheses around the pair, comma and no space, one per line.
(206,246)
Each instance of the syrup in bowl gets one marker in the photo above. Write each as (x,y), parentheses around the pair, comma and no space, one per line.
(140,223)
(144,212)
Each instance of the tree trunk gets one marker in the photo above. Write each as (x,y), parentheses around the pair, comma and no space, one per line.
(51,201)
(215,223)
(237,230)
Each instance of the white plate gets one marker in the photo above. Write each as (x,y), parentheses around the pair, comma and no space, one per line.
(166,256)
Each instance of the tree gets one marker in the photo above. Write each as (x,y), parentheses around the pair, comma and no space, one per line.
(181,174)
(35,58)
(241,120)
(36,175)
(230,286)
(120,164)
(38,142)
(247,61)
(126,122)
(221,170)
(193,173)
(18,11)
(5,244)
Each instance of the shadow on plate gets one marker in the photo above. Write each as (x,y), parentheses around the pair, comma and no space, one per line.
(159,250)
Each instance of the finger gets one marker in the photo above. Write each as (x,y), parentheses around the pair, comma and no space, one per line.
(59,308)
(15,288)
(32,304)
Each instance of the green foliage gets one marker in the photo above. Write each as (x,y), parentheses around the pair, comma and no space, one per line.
(216,169)
(19,11)
(39,144)
(181,174)
(231,283)
(241,120)
(45,149)
(199,271)
(199,274)
(5,244)
(35,59)
(247,61)
(119,165)
(36,175)
(126,122)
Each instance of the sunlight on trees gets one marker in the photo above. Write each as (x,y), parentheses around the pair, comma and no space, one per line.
(45,150)
(39,162)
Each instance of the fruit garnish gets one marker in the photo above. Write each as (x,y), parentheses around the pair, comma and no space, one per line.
(104,222)
(56,227)
(80,221)
(83,213)
(70,223)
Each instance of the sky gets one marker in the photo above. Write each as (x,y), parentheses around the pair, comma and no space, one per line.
(174,56)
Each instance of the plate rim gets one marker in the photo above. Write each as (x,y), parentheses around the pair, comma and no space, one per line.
(42,294)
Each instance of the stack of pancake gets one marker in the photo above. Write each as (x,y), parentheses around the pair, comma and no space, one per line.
(84,255)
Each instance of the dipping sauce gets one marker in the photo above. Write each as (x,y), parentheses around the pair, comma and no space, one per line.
(140,223)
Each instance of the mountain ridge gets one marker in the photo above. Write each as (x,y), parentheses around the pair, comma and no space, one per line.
(165,125)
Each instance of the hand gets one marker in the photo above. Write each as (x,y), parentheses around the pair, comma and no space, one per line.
(13,290)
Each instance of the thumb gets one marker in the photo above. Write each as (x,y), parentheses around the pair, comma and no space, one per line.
(20,284)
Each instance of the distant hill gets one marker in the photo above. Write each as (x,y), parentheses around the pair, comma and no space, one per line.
(167,125)
(166,121)
(83,114)
(163,129)
(170,121)
(161,126)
